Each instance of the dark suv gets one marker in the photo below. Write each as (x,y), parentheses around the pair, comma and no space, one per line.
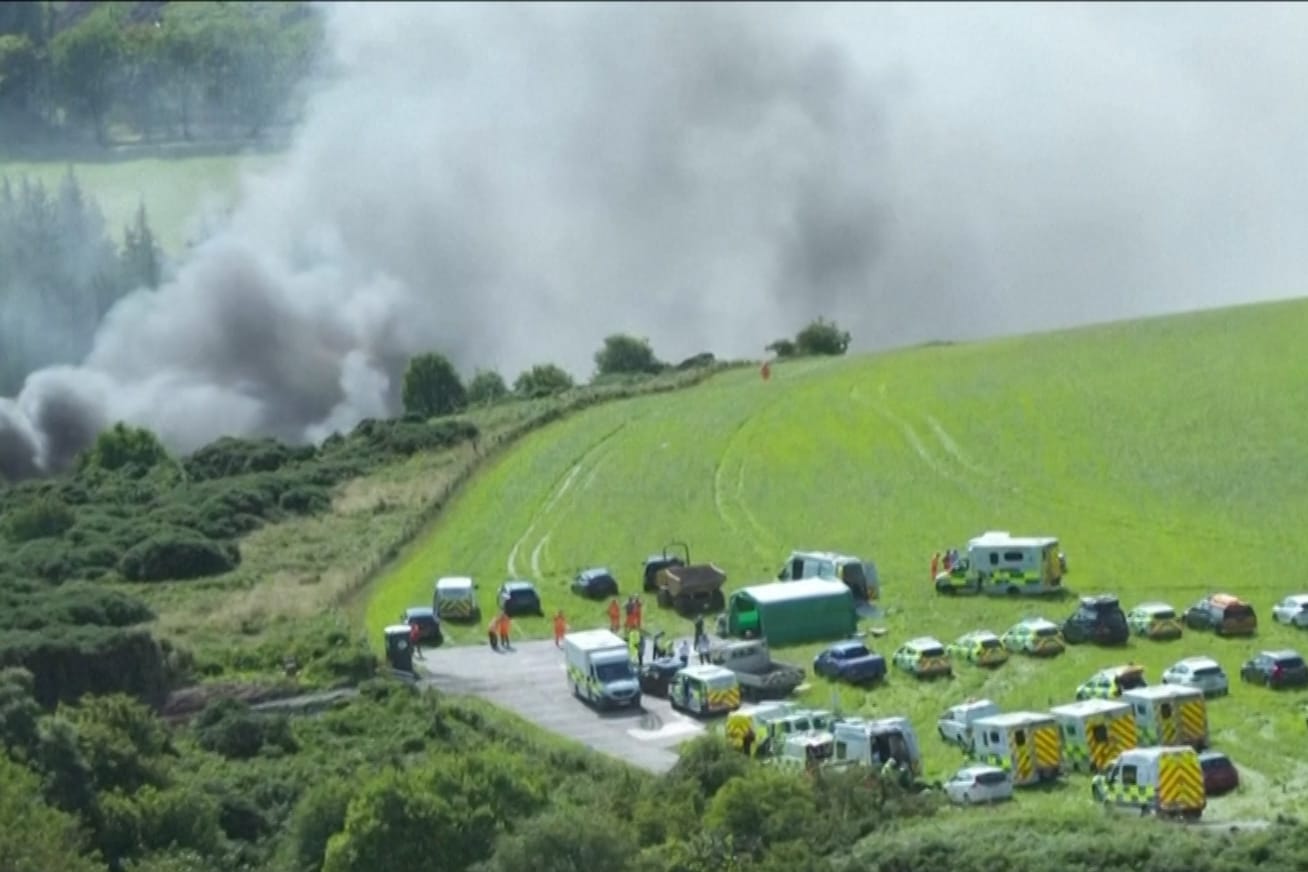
(520,598)
(1275,669)
(1224,614)
(595,584)
(429,626)
(1099,619)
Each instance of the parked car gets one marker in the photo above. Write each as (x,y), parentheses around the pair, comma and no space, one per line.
(979,784)
(1220,774)
(1292,610)
(850,661)
(656,676)
(955,725)
(520,598)
(1109,683)
(924,657)
(981,647)
(1154,620)
(1035,636)
(1098,619)
(595,583)
(1276,669)
(429,625)
(1202,673)
(1224,614)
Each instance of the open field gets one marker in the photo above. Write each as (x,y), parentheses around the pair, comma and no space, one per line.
(174,188)
(1165,454)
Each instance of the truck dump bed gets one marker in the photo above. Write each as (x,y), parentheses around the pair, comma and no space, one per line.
(698,586)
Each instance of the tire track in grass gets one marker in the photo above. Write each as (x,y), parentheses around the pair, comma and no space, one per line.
(542,547)
(564,484)
(761,540)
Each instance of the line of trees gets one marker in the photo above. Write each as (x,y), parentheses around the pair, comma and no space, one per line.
(60,271)
(151,71)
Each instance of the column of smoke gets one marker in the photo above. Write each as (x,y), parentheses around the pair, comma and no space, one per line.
(508,184)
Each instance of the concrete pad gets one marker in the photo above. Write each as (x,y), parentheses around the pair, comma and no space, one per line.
(530,680)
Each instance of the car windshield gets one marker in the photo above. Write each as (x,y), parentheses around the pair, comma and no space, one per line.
(991,778)
(854,575)
(989,643)
(1130,680)
(1208,672)
(851,652)
(1046,632)
(1214,762)
(1238,612)
(607,672)
(1289,662)
(521,594)
(1163,615)
(933,651)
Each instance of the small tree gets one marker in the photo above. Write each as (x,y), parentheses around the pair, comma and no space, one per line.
(782,348)
(542,380)
(122,445)
(486,387)
(626,354)
(822,338)
(432,387)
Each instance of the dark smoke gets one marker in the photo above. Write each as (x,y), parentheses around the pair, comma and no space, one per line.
(511,183)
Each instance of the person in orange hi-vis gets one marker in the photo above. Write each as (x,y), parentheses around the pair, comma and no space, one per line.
(615,612)
(560,627)
(766,370)
(935,565)
(504,628)
(637,607)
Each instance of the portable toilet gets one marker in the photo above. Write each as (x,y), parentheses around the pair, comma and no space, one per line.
(399,651)
(1094,732)
(1169,714)
(1026,745)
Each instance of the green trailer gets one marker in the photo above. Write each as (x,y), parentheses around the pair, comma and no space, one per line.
(792,612)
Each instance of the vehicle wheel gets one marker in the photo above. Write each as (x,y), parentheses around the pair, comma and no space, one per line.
(665,599)
(719,601)
(1012,591)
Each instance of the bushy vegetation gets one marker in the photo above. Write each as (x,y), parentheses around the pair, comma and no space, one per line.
(820,338)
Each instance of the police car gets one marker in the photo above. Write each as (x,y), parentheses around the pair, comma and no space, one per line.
(1035,636)
(1109,683)
(1154,620)
(923,657)
(981,647)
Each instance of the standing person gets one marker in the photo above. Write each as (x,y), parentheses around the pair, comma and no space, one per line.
(637,612)
(614,611)
(415,638)
(504,628)
(629,608)
(493,633)
(699,628)
(702,646)
(683,652)
(560,627)
(635,648)
(935,565)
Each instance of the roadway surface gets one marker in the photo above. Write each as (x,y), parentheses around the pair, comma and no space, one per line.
(531,681)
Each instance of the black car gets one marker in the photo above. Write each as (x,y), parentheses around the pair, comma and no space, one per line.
(595,584)
(1098,619)
(519,598)
(429,626)
(1276,669)
(656,676)
(1220,774)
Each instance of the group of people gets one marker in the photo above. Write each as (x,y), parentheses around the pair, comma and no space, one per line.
(945,561)
(633,608)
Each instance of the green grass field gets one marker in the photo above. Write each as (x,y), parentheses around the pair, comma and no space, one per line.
(173,189)
(1165,454)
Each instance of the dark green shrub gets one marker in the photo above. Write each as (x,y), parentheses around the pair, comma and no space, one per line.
(178,555)
(47,516)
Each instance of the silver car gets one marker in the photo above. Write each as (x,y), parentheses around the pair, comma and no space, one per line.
(979,784)
(1202,673)
(1292,610)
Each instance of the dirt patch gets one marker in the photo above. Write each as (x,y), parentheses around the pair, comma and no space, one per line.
(186,703)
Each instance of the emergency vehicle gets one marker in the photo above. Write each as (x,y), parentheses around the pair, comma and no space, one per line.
(1038,637)
(1112,682)
(1166,781)
(1025,744)
(1169,714)
(1157,621)
(924,657)
(1095,731)
(981,647)
(704,689)
(871,742)
(1002,564)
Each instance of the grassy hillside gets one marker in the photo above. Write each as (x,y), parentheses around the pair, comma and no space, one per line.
(1165,454)
(173,189)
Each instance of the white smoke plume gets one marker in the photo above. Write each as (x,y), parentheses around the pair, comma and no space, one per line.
(510,183)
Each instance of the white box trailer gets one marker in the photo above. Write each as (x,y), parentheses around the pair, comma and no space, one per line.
(600,670)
